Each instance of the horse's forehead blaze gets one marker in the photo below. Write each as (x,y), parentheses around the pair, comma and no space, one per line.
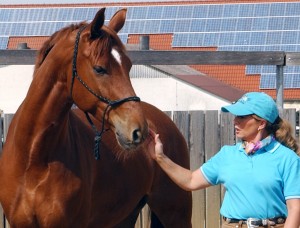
(116,56)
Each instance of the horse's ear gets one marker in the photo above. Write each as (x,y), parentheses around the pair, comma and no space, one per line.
(117,22)
(97,24)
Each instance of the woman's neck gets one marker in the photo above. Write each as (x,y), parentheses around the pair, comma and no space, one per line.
(258,137)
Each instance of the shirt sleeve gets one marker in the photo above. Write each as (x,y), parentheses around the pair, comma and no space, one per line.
(211,168)
(292,180)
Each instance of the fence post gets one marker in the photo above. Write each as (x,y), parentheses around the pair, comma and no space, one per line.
(279,88)
(6,118)
(1,131)
(144,42)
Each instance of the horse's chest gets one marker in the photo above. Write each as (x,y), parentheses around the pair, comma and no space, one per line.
(50,197)
(57,183)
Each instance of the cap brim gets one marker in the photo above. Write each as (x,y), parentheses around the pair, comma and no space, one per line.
(237,109)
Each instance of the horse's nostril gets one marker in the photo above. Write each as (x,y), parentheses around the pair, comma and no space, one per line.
(137,136)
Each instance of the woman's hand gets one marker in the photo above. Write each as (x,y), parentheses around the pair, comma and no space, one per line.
(184,178)
(155,146)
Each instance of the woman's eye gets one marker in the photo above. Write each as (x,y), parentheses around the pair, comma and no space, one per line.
(100,70)
(242,117)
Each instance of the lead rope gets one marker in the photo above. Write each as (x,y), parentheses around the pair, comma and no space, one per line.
(98,134)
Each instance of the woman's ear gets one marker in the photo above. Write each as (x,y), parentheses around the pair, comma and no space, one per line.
(263,124)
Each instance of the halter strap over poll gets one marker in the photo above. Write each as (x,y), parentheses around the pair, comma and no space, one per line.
(110,103)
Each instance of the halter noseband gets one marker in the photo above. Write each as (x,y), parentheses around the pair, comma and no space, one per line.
(110,103)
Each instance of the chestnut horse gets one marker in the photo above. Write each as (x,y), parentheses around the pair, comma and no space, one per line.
(88,166)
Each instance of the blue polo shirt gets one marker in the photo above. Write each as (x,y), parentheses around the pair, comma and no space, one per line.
(258,185)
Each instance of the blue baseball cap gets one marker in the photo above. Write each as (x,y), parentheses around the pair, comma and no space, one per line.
(257,103)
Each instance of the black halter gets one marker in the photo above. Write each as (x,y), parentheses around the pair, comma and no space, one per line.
(110,103)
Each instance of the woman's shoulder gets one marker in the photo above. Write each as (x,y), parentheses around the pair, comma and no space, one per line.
(237,146)
(285,152)
(227,149)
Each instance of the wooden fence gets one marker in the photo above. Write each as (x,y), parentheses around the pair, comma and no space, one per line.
(205,132)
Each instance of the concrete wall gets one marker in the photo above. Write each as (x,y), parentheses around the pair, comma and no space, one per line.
(165,93)
(169,94)
(14,83)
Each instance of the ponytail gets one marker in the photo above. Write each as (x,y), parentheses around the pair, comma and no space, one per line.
(282,131)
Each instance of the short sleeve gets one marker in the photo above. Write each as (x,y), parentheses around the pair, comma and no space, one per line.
(211,168)
(291,178)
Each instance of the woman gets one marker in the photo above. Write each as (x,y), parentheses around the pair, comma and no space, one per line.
(261,173)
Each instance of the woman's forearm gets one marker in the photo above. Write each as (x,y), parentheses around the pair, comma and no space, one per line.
(293,219)
(184,178)
(178,174)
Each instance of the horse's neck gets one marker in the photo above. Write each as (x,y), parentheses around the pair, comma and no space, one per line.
(40,123)
(46,106)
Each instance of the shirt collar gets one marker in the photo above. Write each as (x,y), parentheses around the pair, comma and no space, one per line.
(271,147)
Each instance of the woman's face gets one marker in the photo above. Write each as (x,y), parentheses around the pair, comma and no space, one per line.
(247,127)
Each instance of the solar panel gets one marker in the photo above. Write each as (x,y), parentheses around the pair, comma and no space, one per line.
(230,10)
(213,25)
(246,10)
(167,26)
(230,27)
(182,25)
(198,25)
(150,26)
(262,10)
(276,9)
(210,40)
(170,12)
(292,9)
(3,42)
(180,40)
(200,11)
(267,81)
(185,12)
(215,11)
(154,12)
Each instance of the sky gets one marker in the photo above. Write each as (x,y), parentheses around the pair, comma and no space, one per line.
(12,2)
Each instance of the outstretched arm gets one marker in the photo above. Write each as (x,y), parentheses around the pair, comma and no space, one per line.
(184,178)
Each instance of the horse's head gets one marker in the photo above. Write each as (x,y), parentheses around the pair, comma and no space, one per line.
(100,82)
(97,69)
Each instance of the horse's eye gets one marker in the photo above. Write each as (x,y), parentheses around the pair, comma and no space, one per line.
(100,70)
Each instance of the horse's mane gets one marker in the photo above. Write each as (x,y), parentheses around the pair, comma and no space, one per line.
(49,44)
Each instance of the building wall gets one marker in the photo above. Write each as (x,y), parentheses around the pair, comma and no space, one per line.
(169,94)
(166,93)
(14,81)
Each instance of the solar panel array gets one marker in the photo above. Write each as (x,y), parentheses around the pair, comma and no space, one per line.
(3,42)
(228,27)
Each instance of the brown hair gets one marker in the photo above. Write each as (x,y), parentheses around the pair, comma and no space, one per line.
(282,130)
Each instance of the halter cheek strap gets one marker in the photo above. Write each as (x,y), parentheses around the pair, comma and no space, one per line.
(110,103)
